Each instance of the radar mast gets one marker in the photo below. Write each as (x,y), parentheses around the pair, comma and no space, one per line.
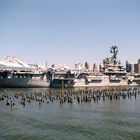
(114,50)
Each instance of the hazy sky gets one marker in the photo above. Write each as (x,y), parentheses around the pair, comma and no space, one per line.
(69,31)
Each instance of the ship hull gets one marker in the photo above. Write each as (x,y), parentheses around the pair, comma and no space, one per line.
(19,82)
(103,83)
(59,83)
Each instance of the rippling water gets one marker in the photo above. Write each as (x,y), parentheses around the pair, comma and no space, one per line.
(109,120)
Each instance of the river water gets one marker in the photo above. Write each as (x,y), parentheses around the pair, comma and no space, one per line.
(103,120)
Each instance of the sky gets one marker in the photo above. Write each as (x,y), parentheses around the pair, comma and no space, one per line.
(69,31)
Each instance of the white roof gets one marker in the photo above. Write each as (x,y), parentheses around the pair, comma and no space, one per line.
(11,61)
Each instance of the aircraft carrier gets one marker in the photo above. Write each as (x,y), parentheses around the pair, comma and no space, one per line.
(111,73)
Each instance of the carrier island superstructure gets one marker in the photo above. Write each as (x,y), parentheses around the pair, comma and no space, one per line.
(111,73)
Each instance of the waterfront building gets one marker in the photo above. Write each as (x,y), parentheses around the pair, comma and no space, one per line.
(137,67)
(129,67)
(95,68)
(16,73)
(13,62)
(79,66)
(86,66)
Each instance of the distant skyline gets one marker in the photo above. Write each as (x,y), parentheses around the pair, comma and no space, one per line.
(69,31)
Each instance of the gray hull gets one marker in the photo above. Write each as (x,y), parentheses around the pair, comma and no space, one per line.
(23,82)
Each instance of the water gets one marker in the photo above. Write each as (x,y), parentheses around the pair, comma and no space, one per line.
(105,120)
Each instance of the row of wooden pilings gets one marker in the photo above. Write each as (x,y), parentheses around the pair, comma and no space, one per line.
(70,95)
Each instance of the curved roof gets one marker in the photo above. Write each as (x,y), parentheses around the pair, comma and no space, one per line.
(11,61)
